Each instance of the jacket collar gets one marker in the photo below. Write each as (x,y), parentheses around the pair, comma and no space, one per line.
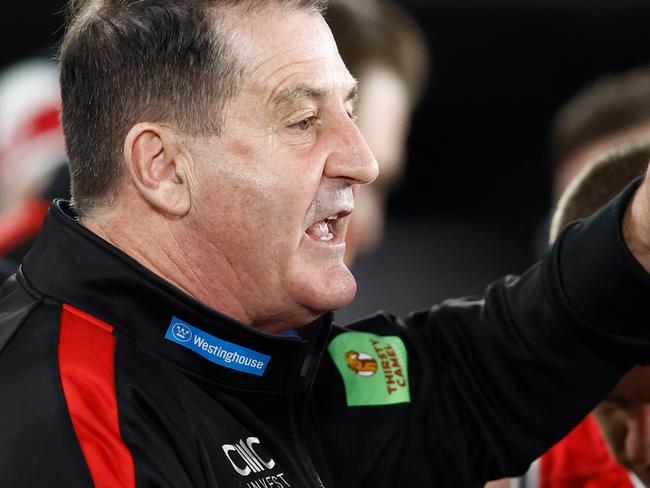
(71,264)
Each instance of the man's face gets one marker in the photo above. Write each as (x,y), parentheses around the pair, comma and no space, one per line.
(624,418)
(272,194)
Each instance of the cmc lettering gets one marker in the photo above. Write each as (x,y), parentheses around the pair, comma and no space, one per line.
(245,459)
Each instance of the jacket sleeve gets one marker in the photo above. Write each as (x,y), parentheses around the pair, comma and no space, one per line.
(516,369)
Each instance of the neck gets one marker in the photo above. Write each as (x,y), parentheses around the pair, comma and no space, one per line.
(155,242)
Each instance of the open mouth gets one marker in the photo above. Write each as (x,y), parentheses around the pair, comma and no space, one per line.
(328,230)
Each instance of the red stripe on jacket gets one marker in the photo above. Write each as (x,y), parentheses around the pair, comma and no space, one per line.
(87,369)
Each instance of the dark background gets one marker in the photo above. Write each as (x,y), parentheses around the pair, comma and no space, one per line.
(477,184)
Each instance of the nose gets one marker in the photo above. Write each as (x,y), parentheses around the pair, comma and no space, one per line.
(350,156)
(637,441)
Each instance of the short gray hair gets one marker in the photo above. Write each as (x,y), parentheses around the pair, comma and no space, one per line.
(128,61)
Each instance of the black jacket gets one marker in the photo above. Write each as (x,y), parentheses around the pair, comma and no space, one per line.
(110,375)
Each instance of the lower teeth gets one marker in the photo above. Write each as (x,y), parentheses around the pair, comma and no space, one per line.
(328,237)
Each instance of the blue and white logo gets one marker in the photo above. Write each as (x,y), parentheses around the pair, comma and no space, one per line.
(181,332)
(215,350)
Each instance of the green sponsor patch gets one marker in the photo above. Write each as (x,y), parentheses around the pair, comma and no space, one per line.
(374,368)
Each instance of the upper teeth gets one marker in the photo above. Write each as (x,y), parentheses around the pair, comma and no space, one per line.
(333,217)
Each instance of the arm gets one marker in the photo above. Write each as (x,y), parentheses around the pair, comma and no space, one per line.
(495,381)
(516,370)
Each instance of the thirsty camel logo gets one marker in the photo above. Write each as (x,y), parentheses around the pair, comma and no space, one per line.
(361,363)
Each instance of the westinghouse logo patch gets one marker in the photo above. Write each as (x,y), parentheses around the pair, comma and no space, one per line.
(374,368)
(215,350)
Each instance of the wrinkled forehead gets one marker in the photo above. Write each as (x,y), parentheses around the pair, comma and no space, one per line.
(283,48)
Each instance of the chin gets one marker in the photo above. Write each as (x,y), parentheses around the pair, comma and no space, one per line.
(323,291)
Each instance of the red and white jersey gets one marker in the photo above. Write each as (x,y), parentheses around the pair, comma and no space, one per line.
(580,460)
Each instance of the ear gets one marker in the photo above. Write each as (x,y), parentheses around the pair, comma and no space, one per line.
(159,166)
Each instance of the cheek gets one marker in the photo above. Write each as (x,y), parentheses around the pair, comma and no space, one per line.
(297,176)
(260,190)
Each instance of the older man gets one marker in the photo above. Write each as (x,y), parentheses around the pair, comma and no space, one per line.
(156,334)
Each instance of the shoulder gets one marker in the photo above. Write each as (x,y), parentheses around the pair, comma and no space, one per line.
(38,441)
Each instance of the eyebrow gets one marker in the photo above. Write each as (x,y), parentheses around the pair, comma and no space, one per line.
(303,90)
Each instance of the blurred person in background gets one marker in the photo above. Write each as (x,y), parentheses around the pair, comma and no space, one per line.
(610,448)
(610,113)
(32,155)
(609,121)
(384,49)
(613,110)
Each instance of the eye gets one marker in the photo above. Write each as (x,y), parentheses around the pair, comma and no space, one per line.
(306,124)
